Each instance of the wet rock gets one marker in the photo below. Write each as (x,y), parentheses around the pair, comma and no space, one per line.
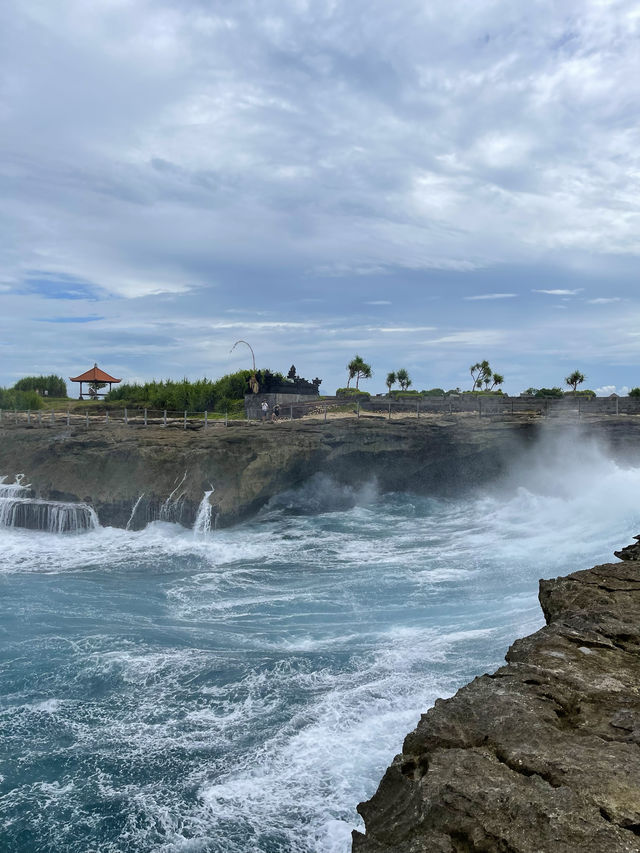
(631,552)
(543,755)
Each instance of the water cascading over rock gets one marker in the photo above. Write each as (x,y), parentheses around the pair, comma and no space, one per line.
(18,508)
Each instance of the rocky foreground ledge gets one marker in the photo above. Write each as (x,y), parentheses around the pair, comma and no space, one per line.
(543,755)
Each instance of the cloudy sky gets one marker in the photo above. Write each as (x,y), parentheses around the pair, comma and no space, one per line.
(427,184)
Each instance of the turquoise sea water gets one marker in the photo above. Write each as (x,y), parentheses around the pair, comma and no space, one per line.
(243,691)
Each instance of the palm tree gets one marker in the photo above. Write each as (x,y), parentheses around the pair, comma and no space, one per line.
(403,378)
(574,379)
(498,379)
(390,380)
(360,369)
(480,372)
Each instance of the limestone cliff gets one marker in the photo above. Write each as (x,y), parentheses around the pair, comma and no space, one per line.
(543,755)
(165,472)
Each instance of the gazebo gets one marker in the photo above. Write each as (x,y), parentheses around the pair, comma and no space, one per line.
(95,375)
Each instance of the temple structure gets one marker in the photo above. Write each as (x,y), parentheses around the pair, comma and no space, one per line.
(96,379)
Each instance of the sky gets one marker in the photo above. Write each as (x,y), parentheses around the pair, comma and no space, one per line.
(425,184)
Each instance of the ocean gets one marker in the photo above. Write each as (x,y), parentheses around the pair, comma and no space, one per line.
(241,690)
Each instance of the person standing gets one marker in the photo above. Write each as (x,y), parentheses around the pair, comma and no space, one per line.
(265,410)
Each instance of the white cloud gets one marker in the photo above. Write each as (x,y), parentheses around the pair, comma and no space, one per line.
(402,329)
(490,296)
(277,152)
(561,292)
(603,300)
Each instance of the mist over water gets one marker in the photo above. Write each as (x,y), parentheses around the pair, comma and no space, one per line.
(242,690)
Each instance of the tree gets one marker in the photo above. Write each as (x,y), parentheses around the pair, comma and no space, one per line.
(403,378)
(635,392)
(480,372)
(498,379)
(574,379)
(51,386)
(292,372)
(95,387)
(390,380)
(360,369)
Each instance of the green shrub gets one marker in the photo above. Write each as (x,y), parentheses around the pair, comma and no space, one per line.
(549,392)
(55,386)
(434,392)
(199,396)
(21,400)
(409,392)
(585,392)
(352,392)
(635,392)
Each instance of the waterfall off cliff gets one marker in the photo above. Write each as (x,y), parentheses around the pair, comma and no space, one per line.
(19,509)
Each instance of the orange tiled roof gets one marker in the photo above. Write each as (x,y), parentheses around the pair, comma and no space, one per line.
(94,375)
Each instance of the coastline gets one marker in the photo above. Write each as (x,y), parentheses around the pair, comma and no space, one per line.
(117,468)
(540,755)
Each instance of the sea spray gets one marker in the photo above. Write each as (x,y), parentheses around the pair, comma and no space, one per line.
(133,511)
(19,510)
(48,516)
(245,690)
(202,524)
(171,509)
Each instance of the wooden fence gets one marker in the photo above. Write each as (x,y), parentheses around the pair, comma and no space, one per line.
(497,406)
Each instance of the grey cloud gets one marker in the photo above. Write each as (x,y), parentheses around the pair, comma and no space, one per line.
(262,153)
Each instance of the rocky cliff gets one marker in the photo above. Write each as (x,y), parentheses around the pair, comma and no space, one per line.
(543,755)
(164,473)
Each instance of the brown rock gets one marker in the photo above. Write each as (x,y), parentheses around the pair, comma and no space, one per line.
(544,754)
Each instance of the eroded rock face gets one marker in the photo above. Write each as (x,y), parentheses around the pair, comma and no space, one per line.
(543,755)
(132,475)
(165,473)
(631,552)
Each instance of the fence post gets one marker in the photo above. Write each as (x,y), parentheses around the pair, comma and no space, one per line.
(29,417)
(291,412)
(325,412)
(185,420)
(579,407)
(164,418)
(145,417)
(126,416)
(389,418)
(206,419)
(86,418)
(512,405)
(480,406)
(106,416)
(616,405)
(39,418)
(358,408)
(226,417)
(418,409)
(68,417)
(53,417)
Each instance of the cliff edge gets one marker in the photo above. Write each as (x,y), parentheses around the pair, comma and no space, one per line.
(543,755)
(132,475)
